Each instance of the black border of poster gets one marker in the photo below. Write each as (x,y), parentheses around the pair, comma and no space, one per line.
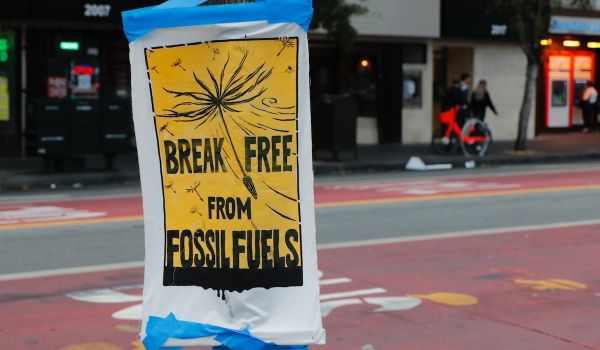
(229,279)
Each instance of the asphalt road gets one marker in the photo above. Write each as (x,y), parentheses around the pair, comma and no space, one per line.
(74,245)
(502,258)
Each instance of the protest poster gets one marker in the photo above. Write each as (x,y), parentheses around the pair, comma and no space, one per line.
(222,119)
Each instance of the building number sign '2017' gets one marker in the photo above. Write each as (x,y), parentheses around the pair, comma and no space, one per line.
(96,10)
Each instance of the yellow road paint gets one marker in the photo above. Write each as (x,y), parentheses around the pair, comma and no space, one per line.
(450,299)
(329,204)
(72,222)
(137,345)
(129,328)
(553,284)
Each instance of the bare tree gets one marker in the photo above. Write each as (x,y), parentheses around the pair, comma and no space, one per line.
(530,19)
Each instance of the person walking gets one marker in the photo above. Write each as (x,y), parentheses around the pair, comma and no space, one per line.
(588,106)
(463,112)
(480,101)
(452,95)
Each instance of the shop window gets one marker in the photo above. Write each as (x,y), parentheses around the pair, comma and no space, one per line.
(412,89)
(559,93)
(84,79)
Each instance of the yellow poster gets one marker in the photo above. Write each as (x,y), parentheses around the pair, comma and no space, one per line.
(225,115)
(4,100)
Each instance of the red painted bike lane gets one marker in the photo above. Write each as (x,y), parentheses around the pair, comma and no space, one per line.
(97,210)
(534,289)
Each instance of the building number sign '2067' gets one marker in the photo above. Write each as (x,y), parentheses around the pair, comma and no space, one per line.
(96,10)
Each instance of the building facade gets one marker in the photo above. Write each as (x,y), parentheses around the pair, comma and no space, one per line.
(64,78)
(65,66)
(388,72)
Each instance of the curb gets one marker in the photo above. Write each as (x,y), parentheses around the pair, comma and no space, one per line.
(332,168)
(19,181)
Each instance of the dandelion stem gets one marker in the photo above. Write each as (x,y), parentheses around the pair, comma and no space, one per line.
(247,180)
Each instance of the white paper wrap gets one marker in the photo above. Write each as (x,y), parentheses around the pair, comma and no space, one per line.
(181,200)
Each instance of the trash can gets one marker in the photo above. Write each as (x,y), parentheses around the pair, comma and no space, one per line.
(116,126)
(84,122)
(52,122)
(334,125)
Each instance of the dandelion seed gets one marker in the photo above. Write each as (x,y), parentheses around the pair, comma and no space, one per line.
(216,52)
(154,69)
(194,210)
(164,129)
(194,189)
(177,63)
(170,187)
(285,43)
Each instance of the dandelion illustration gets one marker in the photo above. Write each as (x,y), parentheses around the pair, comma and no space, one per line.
(285,43)
(194,210)
(177,63)
(170,187)
(164,129)
(194,189)
(154,69)
(219,99)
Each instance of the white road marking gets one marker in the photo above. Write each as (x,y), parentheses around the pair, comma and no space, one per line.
(29,214)
(422,188)
(133,313)
(71,271)
(334,281)
(37,199)
(328,306)
(104,296)
(353,293)
(394,303)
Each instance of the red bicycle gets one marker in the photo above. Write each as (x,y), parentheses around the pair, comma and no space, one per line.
(474,138)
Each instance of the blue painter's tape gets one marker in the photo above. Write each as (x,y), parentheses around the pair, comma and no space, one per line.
(159,330)
(181,13)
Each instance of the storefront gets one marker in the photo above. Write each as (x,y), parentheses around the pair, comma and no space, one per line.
(477,42)
(64,79)
(8,92)
(388,71)
(569,62)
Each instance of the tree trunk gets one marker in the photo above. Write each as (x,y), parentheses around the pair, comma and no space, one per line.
(526,104)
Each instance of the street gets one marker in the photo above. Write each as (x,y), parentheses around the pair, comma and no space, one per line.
(493,258)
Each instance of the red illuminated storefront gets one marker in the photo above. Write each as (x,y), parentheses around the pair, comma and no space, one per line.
(569,61)
(566,73)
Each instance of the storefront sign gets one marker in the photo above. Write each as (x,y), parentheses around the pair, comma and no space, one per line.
(398,18)
(4,99)
(574,25)
(474,19)
(57,86)
(96,10)
(222,119)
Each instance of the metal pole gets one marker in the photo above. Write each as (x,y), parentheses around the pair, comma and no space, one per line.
(23,88)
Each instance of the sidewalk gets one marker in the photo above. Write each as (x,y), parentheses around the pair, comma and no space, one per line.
(547,148)
(24,174)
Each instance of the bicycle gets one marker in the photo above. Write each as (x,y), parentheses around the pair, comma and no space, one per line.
(474,138)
